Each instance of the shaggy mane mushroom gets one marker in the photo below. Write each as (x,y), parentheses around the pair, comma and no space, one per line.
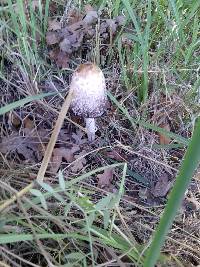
(89,95)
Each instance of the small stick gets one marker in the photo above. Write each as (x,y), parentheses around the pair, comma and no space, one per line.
(54,136)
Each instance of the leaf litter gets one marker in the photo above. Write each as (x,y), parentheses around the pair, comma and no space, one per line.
(105,179)
(78,29)
(29,144)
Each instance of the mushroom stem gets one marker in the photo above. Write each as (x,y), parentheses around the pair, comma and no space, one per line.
(91,129)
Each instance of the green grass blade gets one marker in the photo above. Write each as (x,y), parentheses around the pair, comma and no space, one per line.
(22,102)
(188,167)
(135,22)
(46,13)
(12,238)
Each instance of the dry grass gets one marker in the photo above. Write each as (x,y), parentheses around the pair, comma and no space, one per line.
(70,213)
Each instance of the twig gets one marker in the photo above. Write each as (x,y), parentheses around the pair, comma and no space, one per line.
(54,136)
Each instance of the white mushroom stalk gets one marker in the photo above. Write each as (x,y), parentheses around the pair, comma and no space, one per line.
(89,95)
(91,128)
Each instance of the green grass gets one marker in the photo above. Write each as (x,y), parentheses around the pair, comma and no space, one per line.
(20,103)
(74,221)
(189,165)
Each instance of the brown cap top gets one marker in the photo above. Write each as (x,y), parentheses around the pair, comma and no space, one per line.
(89,89)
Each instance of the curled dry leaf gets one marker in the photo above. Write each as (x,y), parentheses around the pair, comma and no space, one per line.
(52,38)
(164,140)
(29,147)
(65,46)
(162,186)
(78,137)
(62,153)
(28,123)
(88,8)
(60,57)
(79,28)
(14,119)
(74,16)
(105,178)
(91,17)
(54,25)
(79,163)
(112,25)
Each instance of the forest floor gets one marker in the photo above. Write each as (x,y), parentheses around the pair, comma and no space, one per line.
(100,202)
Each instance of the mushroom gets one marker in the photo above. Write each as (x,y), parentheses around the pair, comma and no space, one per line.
(89,95)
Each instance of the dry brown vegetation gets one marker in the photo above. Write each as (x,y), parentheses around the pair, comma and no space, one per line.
(152,158)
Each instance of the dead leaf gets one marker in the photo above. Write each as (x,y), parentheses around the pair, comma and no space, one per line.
(192,204)
(111,25)
(61,58)
(65,45)
(53,7)
(79,163)
(91,17)
(28,123)
(78,137)
(14,119)
(162,186)
(25,146)
(62,153)
(164,140)
(74,16)
(52,38)
(54,25)
(53,54)
(120,20)
(105,178)
(75,30)
(88,8)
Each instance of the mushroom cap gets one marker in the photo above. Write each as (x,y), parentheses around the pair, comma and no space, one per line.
(89,91)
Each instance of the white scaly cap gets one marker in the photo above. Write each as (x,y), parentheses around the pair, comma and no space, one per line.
(89,95)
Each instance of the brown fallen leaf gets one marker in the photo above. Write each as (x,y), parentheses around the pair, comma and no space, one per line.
(28,123)
(164,140)
(61,58)
(77,28)
(78,137)
(25,146)
(14,119)
(105,178)
(65,46)
(54,25)
(88,8)
(162,186)
(62,153)
(79,163)
(91,17)
(74,16)
(112,25)
(52,38)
